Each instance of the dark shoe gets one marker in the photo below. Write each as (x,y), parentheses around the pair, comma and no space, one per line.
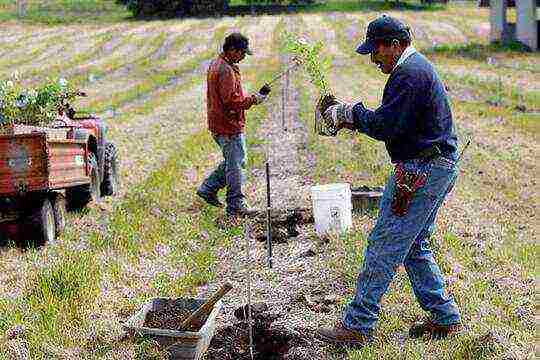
(436,331)
(340,335)
(211,199)
(243,211)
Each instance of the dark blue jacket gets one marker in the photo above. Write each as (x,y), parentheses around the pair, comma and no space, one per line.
(414,115)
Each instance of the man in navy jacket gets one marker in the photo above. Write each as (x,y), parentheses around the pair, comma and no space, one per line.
(415,123)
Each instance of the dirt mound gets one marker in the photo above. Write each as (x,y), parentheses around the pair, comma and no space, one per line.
(232,342)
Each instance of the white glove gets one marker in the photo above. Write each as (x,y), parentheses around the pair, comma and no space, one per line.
(339,115)
(260,98)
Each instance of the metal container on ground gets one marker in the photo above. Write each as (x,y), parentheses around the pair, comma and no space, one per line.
(180,345)
(365,198)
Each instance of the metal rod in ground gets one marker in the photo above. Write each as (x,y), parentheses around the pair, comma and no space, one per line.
(268,220)
(283,100)
(247,236)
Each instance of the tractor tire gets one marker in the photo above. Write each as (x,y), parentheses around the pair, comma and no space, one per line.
(40,227)
(79,196)
(111,180)
(60,213)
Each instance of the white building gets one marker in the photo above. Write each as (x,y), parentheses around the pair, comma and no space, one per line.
(525,30)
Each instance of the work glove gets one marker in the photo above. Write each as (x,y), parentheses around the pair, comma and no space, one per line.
(324,125)
(262,95)
(339,116)
(265,90)
(259,98)
(325,102)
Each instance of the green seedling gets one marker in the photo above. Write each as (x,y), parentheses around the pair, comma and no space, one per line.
(309,56)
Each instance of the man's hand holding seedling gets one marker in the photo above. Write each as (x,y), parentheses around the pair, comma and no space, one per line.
(340,115)
(336,113)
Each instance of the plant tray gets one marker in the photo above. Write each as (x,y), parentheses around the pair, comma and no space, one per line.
(366,198)
(180,345)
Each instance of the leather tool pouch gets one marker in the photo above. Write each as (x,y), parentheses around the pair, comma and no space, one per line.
(407,183)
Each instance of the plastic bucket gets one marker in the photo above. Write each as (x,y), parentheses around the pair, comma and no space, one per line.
(332,208)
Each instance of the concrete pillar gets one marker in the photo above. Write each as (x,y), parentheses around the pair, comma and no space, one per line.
(497,18)
(526,27)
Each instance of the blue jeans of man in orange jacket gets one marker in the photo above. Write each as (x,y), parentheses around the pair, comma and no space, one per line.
(230,172)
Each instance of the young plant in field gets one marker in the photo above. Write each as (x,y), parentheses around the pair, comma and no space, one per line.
(317,68)
(309,56)
(33,106)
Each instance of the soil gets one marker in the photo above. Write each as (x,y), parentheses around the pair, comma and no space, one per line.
(232,342)
(171,316)
(285,224)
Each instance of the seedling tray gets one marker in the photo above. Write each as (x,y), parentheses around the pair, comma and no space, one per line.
(180,345)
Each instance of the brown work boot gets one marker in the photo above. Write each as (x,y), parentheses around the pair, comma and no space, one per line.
(242,212)
(340,335)
(210,199)
(436,331)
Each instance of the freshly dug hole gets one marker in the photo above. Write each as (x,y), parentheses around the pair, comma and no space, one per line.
(232,342)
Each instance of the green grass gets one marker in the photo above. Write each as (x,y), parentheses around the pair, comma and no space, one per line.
(476,51)
(349,5)
(158,240)
(59,12)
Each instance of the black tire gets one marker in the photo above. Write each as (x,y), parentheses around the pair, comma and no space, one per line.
(40,227)
(60,213)
(111,180)
(79,196)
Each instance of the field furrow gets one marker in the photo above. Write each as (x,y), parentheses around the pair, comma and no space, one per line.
(147,81)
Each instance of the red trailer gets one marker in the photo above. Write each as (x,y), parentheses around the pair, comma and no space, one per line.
(45,170)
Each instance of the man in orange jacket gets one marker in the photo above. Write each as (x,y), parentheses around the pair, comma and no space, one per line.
(226,120)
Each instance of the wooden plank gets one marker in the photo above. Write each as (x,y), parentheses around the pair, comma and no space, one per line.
(67,164)
(23,163)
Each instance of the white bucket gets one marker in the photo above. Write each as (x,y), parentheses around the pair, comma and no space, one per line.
(332,207)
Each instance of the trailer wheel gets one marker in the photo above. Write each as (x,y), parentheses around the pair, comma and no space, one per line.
(79,196)
(41,227)
(59,211)
(111,181)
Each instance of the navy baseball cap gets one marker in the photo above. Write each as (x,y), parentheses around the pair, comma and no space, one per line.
(384,27)
(238,42)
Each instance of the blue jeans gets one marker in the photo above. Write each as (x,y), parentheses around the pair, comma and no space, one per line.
(397,240)
(230,172)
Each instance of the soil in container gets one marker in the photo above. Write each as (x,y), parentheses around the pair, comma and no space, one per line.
(171,315)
